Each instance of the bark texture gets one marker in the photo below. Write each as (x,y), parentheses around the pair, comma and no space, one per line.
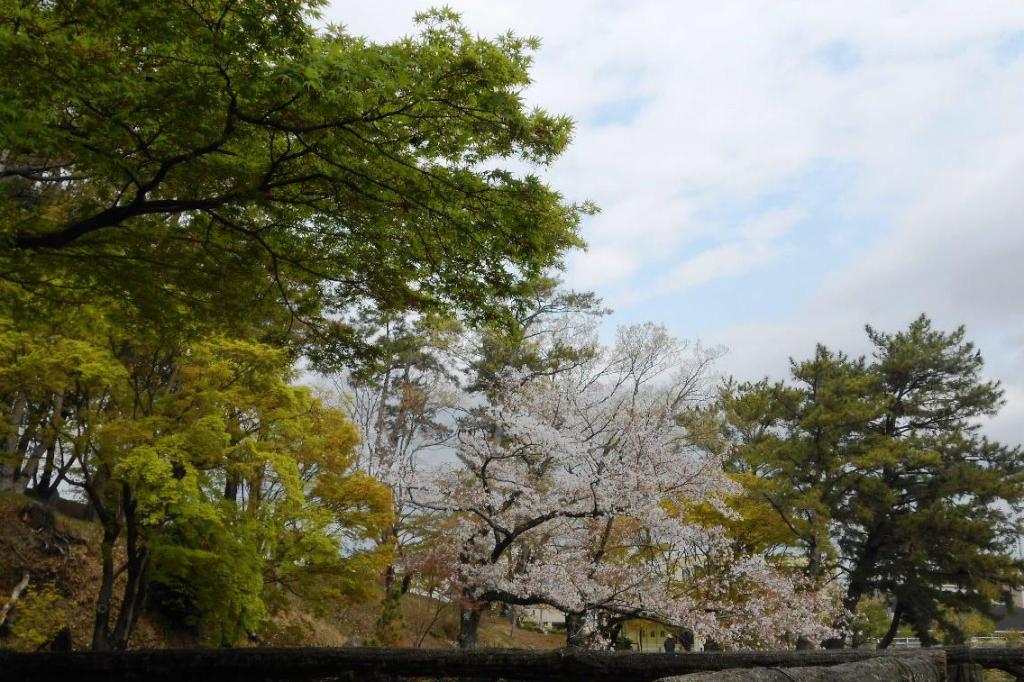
(916,667)
(469,626)
(966,672)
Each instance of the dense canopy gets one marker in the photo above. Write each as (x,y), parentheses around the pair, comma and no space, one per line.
(213,156)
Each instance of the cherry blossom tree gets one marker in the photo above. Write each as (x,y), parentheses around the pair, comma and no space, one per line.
(573,490)
(420,376)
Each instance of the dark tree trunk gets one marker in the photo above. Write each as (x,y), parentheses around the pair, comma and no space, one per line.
(894,626)
(231,487)
(105,637)
(45,440)
(140,598)
(62,641)
(858,586)
(101,635)
(613,632)
(45,488)
(469,626)
(137,581)
(574,638)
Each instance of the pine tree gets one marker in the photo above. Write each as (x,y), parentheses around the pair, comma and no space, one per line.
(878,471)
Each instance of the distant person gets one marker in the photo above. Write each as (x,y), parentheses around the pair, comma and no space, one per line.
(670,645)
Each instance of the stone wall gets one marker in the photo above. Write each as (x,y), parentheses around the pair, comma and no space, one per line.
(905,667)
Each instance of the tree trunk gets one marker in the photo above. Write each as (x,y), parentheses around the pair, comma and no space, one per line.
(45,488)
(894,626)
(469,626)
(612,630)
(137,582)
(46,440)
(231,488)
(21,475)
(834,643)
(856,589)
(388,628)
(574,636)
(5,611)
(105,638)
(9,459)
(853,595)
(132,601)
(101,640)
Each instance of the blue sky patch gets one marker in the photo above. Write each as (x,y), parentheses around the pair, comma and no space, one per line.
(618,111)
(840,56)
(1010,47)
(831,232)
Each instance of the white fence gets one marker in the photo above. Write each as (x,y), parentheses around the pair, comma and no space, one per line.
(978,642)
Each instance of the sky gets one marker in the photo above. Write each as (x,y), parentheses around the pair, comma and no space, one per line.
(774,174)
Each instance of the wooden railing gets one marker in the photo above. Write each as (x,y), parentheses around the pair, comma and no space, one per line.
(307,664)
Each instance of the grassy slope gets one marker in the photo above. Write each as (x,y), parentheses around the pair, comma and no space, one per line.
(63,553)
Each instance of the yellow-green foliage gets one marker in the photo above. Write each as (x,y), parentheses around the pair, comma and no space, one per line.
(302,514)
(38,616)
(238,483)
(961,626)
(872,620)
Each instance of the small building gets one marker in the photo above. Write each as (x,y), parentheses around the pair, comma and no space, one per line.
(648,636)
(544,616)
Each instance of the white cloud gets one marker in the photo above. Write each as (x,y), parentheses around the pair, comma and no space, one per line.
(736,95)
(756,243)
(729,102)
(727,260)
(599,268)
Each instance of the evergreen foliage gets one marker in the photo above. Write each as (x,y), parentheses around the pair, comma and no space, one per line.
(877,470)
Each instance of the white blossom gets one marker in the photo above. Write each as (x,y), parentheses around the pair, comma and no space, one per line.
(571,490)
